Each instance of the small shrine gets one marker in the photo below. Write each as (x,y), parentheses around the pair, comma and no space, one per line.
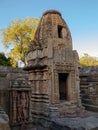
(53,68)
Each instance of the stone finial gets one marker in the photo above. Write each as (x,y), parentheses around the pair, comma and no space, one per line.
(51,12)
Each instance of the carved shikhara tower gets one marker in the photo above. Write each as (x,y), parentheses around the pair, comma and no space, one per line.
(53,68)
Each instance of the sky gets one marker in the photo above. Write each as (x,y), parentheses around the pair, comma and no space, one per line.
(81,17)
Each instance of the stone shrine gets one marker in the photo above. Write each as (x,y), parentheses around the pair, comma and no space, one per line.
(53,69)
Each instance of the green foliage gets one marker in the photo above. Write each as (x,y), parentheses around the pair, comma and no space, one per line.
(87,60)
(19,35)
(4,61)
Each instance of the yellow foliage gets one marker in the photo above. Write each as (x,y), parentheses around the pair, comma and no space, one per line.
(87,60)
(19,35)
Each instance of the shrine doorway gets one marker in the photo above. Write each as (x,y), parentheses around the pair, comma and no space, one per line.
(63,86)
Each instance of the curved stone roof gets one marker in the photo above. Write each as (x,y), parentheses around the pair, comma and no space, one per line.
(52,29)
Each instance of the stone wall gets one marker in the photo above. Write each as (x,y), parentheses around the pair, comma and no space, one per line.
(89,87)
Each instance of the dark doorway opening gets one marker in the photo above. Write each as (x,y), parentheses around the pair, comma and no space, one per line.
(60,31)
(63,86)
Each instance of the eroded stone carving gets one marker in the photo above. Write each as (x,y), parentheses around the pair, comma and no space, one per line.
(22,106)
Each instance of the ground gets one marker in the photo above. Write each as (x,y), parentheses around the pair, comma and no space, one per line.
(88,121)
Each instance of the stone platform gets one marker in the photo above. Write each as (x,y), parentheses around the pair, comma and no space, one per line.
(88,121)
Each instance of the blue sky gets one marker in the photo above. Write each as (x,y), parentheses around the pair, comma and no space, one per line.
(80,15)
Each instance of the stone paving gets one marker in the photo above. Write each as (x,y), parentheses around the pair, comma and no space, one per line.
(87,122)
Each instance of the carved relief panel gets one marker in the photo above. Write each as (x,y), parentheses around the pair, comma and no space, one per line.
(19,102)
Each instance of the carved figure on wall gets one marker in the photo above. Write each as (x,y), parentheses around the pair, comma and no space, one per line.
(22,106)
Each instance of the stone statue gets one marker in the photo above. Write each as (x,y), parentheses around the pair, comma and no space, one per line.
(22,106)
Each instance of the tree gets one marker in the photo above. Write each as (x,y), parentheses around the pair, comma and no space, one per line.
(4,61)
(18,37)
(87,60)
